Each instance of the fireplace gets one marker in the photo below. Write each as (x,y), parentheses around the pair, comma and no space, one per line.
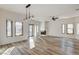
(43,32)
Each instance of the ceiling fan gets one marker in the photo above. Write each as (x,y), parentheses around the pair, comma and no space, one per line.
(54,18)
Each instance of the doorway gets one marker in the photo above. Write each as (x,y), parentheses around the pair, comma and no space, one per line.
(33,34)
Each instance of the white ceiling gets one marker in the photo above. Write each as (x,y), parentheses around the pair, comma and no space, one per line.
(44,10)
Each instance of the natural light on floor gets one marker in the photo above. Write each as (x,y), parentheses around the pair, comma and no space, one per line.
(31,42)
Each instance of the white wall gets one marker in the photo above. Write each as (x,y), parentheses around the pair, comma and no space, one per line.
(54,27)
(42,24)
(76,21)
(4,14)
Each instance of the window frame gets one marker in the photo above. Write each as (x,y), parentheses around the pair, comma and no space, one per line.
(76,29)
(22,29)
(69,28)
(11,28)
(62,28)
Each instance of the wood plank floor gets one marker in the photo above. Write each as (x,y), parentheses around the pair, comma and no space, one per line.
(15,44)
(48,45)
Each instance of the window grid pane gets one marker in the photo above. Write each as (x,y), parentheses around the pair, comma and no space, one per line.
(9,28)
(70,28)
(19,28)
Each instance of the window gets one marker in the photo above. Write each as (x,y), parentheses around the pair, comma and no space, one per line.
(77,28)
(63,28)
(70,29)
(19,28)
(9,28)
